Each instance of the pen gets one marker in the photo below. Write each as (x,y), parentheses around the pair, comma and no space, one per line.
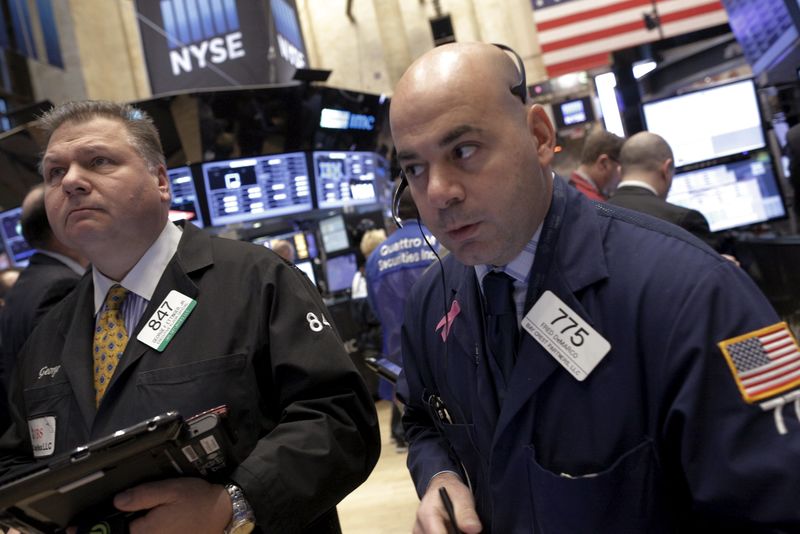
(452,527)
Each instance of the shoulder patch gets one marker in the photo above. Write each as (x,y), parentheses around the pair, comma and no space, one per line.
(764,362)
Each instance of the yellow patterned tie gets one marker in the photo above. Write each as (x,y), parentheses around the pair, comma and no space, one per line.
(110,339)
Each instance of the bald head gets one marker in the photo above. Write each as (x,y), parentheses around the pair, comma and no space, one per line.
(647,157)
(476,158)
(477,70)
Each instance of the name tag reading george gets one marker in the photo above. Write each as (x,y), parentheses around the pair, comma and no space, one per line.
(568,338)
(166,321)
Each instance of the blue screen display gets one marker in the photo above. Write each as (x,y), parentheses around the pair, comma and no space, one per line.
(339,272)
(250,189)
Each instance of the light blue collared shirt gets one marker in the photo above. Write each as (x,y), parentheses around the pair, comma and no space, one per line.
(141,281)
(519,269)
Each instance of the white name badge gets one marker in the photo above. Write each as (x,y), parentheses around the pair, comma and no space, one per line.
(166,321)
(43,435)
(568,338)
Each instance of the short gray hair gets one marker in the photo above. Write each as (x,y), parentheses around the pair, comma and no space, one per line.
(142,132)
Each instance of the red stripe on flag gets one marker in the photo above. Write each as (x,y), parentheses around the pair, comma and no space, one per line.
(593,36)
(691,12)
(776,364)
(788,343)
(581,63)
(761,391)
(753,383)
(589,14)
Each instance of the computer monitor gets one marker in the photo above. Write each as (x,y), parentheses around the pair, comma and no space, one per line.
(184,204)
(16,247)
(573,112)
(346,178)
(708,123)
(334,234)
(731,195)
(339,272)
(250,189)
(308,268)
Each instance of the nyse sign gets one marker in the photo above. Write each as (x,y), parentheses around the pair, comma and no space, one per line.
(216,50)
(196,44)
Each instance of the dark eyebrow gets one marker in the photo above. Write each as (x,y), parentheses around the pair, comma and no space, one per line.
(457,132)
(450,137)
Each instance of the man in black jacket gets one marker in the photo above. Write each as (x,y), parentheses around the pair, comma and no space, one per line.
(51,274)
(171,318)
(647,171)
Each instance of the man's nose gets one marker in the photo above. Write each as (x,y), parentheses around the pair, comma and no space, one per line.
(444,188)
(75,180)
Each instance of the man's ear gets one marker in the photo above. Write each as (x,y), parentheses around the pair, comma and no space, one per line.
(667,170)
(542,130)
(163,183)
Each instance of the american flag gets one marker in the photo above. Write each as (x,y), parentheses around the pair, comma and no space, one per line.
(580,34)
(765,362)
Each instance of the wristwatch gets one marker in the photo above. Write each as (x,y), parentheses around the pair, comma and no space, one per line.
(243,520)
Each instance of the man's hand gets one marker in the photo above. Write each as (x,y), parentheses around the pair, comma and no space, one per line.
(431,514)
(177,505)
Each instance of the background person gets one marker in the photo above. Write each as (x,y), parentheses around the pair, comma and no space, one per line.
(257,341)
(598,173)
(647,171)
(52,272)
(392,268)
(615,409)
(283,248)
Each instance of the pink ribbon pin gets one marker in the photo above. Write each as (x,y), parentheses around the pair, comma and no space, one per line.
(447,321)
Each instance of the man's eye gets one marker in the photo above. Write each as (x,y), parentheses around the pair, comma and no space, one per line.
(55,173)
(412,171)
(100,160)
(465,151)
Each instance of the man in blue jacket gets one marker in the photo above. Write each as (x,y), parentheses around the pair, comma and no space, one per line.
(646,387)
(391,271)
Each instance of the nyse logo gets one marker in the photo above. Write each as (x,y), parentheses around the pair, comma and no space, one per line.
(290,53)
(290,39)
(200,32)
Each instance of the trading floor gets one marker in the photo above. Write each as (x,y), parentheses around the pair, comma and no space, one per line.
(386,502)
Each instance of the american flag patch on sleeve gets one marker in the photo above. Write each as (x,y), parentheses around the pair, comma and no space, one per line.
(764,362)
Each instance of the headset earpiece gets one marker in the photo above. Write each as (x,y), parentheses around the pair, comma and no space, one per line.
(396,200)
(521,89)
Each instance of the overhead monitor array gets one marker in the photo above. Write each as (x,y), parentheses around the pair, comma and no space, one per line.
(723,166)
(250,189)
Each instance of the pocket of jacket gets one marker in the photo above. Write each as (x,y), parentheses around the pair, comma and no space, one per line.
(624,498)
(51,403)
(197,386)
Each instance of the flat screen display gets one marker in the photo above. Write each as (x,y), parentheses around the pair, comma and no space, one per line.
(765,30)
(249,189)
(734,194)
(184,205)
(339,272)
(15,245)
(709,123)
(334,234)
(573,112)
(308,270)
(346,178)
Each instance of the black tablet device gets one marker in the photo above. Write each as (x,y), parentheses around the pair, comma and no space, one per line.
(69,487)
